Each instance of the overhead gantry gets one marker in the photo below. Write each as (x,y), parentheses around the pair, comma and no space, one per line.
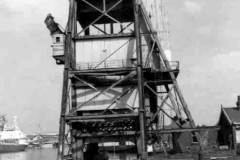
(118,84)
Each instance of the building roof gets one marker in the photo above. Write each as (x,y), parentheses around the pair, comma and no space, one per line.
(232,114)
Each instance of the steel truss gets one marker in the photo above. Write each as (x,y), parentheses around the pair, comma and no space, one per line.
(154,78)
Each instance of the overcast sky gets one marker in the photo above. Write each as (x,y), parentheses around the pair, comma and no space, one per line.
(205,38)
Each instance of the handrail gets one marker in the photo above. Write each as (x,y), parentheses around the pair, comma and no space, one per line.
(117,63)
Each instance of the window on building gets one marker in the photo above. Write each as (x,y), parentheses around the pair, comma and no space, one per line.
(57,39)
(194,138)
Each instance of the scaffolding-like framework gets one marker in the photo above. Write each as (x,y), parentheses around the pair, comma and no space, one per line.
(149,72)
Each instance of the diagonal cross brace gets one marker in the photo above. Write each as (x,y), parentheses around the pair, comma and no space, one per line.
(171,97)
(131,74)
(160,107)
(117,99)
(168,66)
(124,28)
(148,55)
(158,96)
(104,13)
(115,51)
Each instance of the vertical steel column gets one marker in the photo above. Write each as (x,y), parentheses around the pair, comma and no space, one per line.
(140,83)
(73,46)
(69,58)
(62,115)
(74,33)
(61,147)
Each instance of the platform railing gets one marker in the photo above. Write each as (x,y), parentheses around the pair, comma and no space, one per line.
(174,64)
(117,63)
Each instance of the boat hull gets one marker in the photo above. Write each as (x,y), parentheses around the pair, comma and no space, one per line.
(5,148)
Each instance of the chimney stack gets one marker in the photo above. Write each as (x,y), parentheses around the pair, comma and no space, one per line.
(238,102)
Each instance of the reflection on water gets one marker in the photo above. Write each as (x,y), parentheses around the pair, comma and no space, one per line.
(31,154)
(122,156)
(51,154)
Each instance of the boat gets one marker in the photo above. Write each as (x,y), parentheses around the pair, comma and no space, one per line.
(12,139)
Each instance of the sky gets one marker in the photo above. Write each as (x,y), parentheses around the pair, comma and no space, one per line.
(204,37)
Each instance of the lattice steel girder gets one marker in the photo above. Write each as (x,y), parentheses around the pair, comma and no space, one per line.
(131,74)
(106,36)
(114,100)
(96,79)
(89,10)
(92,78)
(107,126)
(149,72)
(147,27)
(92,12)
(101,137)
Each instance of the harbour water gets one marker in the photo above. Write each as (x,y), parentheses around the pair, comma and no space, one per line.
(51,154)
(31,154)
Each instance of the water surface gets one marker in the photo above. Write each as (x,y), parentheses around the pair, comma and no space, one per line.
(51,154)
(31,154)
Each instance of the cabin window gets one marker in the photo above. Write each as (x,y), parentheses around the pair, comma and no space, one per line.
(57,39)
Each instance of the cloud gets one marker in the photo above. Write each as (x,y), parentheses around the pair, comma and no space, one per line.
(217,69)
(26,63)
(192,7)
(212,82)
(20,15)
(205,30)
(227,62)
(19,4)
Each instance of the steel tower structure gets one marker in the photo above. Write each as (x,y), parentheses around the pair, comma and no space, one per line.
(146,76)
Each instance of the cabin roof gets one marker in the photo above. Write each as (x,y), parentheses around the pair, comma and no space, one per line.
(232,114)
